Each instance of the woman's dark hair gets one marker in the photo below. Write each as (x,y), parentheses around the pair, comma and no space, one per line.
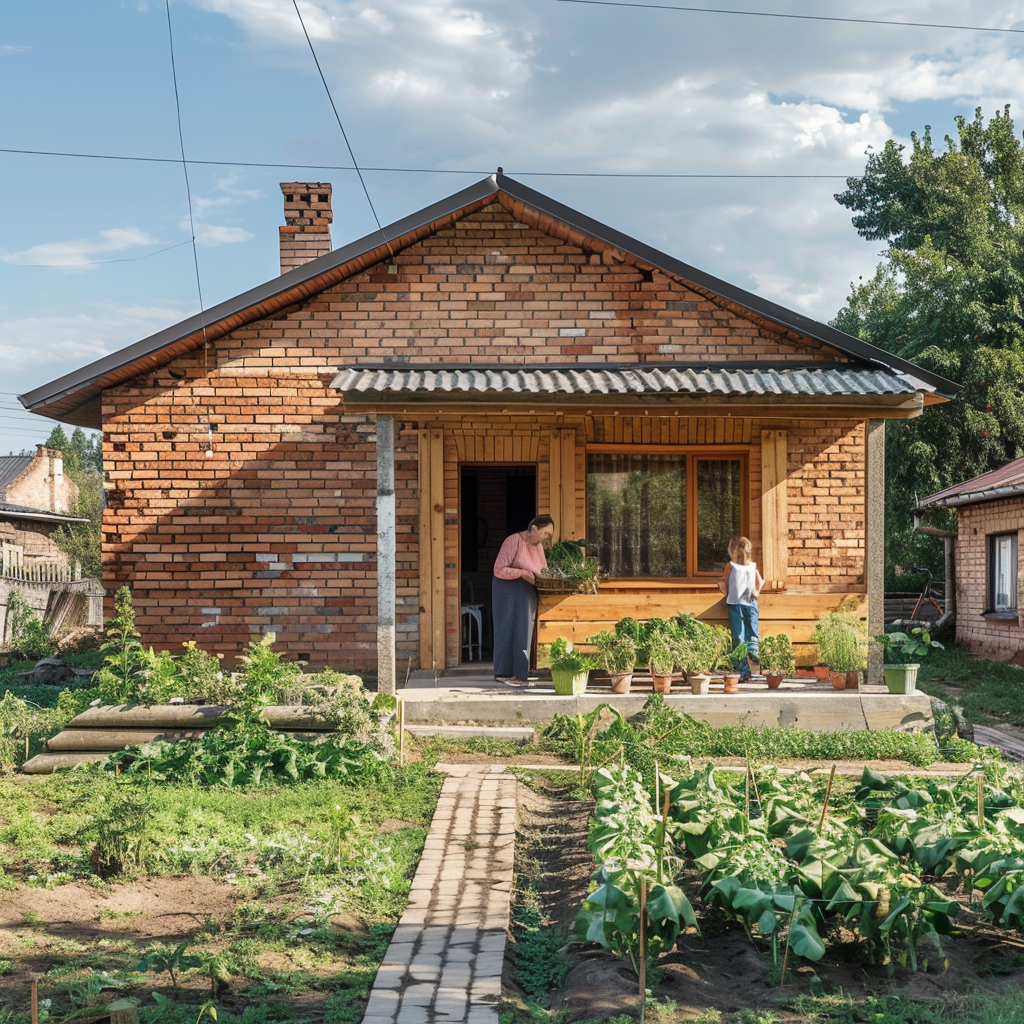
(540,522)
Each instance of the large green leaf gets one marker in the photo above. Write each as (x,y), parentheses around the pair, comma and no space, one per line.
(804,939)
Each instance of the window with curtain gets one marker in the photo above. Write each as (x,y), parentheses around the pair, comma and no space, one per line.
(1002,572)
(662,515)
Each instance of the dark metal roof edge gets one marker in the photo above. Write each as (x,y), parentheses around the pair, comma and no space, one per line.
(24,512)
(973,497)
(54,390)
(773,311)
(285,282)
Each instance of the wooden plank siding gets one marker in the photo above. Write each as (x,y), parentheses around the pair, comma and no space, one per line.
(815,472)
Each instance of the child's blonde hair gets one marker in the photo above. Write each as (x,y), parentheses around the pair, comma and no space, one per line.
(740,550)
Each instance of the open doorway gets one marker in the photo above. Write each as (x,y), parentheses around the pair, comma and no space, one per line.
(496,501)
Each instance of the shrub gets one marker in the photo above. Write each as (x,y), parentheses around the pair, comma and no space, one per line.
(30,636)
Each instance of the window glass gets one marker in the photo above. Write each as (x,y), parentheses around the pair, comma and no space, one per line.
(637,513)
(1004,573)
(718,511)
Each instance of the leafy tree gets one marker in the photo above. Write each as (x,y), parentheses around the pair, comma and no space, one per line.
(83,463)
(949,294)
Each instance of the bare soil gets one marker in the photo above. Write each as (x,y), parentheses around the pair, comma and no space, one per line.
(719,968)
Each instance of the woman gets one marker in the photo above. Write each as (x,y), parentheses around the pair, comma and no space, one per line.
(514,597)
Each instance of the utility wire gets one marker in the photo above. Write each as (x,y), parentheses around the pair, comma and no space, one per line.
(794,17)
(411,170)
(97,263)
(191,220)
(344,135)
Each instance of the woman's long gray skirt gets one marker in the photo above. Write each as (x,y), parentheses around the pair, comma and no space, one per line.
(514,608)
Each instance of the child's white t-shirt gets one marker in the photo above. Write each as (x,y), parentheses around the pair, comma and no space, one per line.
(742,584)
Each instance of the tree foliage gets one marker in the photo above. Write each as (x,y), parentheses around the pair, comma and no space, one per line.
(83,463)
(948,295)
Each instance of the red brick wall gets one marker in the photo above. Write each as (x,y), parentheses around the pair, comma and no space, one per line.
(276,530)
(995,638)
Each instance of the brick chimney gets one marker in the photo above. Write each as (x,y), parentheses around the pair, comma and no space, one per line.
(306,233)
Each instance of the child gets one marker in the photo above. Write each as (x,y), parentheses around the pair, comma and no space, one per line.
(741,583)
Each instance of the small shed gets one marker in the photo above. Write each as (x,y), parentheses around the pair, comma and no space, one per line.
(990,583)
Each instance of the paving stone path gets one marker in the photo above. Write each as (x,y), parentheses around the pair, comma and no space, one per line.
(443,965)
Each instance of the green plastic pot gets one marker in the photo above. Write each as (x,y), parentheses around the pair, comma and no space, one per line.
(569,683)
(901,679)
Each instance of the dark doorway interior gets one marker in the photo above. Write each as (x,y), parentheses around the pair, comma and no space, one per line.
(496,502)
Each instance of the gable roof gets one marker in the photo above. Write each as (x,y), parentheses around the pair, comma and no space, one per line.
(1004,482)
(74,398)
(11,467)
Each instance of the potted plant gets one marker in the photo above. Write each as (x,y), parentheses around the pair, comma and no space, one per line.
(618,655)
(662,653)
(903,654)
(731,663)
(842,646)
(570,569)
(570,668)
(777,659)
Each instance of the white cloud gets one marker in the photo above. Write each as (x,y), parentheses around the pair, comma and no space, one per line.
(10,49)
(79,253)
(37,342)
(228,194)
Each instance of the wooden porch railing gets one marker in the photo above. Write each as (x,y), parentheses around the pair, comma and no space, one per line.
(41,572)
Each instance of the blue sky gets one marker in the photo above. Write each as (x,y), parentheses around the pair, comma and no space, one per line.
(536,85)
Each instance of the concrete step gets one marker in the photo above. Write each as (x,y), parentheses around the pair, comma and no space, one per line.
(516,734)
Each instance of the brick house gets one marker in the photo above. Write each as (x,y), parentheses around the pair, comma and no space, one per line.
(335,455)
(988,546)
(35,496)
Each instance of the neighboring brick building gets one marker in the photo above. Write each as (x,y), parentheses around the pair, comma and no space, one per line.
(988,549)
(35,497)
(316,457)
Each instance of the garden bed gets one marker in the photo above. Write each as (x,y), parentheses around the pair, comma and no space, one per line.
(718,974)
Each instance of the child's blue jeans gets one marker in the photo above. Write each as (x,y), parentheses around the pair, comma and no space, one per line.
(743,624)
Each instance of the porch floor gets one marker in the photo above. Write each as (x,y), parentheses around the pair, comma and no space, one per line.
(471,695)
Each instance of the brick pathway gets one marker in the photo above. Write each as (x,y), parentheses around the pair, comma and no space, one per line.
(444,961)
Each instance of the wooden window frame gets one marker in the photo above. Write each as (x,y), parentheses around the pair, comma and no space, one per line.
(990,581)
(692,453)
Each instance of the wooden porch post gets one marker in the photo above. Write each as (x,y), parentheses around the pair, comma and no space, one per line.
(874,541)
(386,551)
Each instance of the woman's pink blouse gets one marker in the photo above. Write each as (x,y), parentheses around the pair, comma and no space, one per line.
(516,558)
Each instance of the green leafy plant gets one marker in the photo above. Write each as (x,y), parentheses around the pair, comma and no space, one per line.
(120,831)
(124,658)
(777,655)
(841,642)
(568,560)
(662,653)
(617,652)
(170,960)
(29,635)
(565,656)
(904,648)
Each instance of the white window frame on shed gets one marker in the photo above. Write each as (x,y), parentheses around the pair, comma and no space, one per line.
(1002,573)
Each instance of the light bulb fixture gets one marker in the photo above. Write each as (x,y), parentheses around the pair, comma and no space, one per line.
(209,433)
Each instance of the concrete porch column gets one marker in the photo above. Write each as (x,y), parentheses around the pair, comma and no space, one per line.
(386,551)
(874,541)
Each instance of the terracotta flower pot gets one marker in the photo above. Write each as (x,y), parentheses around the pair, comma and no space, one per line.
(821,673)
(621,682)
(774,680)
(853,680)
(838,680)
(662,684)
(731,682)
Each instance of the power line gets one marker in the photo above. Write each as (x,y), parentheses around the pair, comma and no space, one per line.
(337,117)
(96,263)
(412,170)
(794,17)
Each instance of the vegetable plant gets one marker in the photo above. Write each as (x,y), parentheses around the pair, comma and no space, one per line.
(777,655)
(906,648)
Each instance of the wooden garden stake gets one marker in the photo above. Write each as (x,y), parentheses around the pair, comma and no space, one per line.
(785,956)
(26,746)
(401,732)
(746,792)
(34,1004)
(828,796)
(980,778)
(657,785)
(643,950)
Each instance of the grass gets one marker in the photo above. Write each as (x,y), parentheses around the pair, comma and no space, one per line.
(989,690)
(304,857)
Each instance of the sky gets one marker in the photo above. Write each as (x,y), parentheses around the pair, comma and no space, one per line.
(96,254)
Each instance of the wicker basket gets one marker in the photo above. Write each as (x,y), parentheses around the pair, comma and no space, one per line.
(557,585)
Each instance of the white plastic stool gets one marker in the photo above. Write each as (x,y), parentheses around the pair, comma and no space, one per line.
(470,614)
